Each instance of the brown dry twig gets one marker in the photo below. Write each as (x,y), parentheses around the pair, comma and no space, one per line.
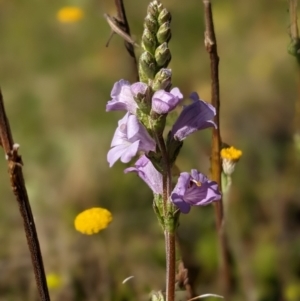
(15,165)
(216,169)
(120,26)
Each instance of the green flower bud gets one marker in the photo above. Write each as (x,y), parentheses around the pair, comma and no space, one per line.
(142,76)
(162,55)
(151,24)
(160,7)
(162,80)
(147,66)
(144,102)
(164,16)
(158,122)
(149,42)
(144,97)
(164,33)
(152,9)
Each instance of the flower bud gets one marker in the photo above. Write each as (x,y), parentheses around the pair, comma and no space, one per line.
(144,100)
(147,66)
(160,7)
(164,33)
(162,55)
(162,80)
(152,9)
(151,24)
(164,16)
(149,42)
(158,122)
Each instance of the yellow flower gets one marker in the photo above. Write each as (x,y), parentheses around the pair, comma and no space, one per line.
(69,14)
(53,280)
(230,156)
(92,220)
(292,292)
(231,153)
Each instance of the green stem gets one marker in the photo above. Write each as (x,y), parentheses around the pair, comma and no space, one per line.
(171,260)
(170,244)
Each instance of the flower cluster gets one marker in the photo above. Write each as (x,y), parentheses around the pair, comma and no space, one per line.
(132,137)
(147,104)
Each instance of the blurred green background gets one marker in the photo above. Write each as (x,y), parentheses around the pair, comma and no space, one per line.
(56,79)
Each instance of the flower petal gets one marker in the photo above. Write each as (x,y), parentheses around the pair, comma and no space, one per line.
(196,116)
(164,102)
(146,171)
(129,138)
(194,190)
(122,98)
(180,203)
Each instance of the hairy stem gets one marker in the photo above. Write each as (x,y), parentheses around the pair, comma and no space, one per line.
(170,244)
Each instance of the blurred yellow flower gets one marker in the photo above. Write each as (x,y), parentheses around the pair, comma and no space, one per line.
(53,281)
(92,220)
(292,292)
(69,14)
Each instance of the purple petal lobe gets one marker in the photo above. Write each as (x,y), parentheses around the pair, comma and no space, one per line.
(180,203)
(196,116)
(122,98)
(147,172)
(138,88)
(164,102)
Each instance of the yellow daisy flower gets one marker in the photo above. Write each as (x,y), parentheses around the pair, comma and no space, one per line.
(230,156)
(92,220)
(69,14)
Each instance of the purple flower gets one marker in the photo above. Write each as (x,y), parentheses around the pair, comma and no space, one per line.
(194,190)
(123,95)
(129,138)
(196,116)
(147,172)
(164,102)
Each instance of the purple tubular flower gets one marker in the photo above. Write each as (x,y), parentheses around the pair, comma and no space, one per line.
(129,138)
(194,190)
(196,116)
(164,102)
(147,172)
(123,95)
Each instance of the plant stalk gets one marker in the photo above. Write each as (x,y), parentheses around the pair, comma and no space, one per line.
(170,244)
(216,169)
(15,165)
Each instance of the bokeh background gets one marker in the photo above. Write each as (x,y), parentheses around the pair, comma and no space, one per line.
(56,79)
